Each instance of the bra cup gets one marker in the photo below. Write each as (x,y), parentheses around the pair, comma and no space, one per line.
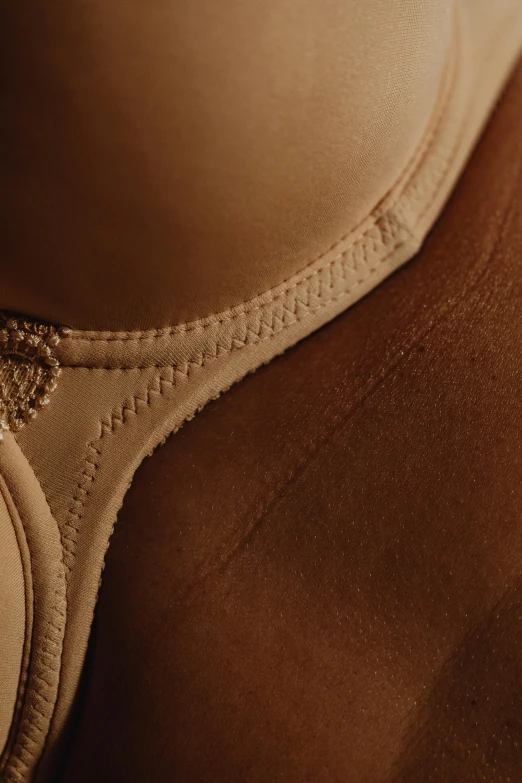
(206,152)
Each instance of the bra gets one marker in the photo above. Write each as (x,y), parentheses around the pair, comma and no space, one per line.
(285,180)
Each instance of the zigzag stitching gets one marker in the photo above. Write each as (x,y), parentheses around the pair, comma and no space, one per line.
(21,754)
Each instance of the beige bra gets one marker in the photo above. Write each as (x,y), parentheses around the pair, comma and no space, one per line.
(138,349)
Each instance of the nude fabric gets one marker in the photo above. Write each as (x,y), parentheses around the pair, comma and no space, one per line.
(319,577)
(122,392)
(12,615)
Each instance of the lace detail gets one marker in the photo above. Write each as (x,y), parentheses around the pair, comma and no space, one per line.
(29,369)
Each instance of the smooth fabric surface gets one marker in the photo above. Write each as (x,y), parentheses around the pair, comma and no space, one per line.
(319,577)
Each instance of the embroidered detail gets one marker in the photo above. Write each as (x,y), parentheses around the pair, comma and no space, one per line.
(28,369)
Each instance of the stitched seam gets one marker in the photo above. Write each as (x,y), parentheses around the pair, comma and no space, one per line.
(245,310)
(225,317)
(35,720)
(29,629)
(306,299)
